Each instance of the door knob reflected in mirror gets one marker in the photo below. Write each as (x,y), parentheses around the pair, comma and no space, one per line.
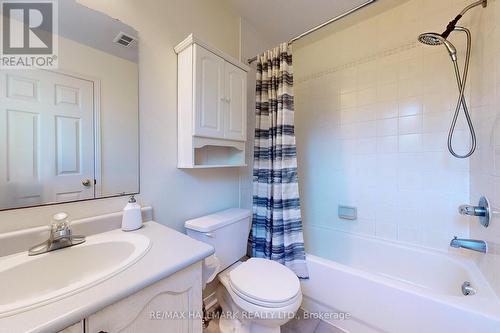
(86,182)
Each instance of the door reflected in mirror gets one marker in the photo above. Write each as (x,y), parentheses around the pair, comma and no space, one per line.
(72,133)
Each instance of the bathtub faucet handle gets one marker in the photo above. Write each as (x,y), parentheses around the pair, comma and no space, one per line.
(482,210)
(471,210)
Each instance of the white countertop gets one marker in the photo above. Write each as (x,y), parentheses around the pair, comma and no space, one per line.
(170,252)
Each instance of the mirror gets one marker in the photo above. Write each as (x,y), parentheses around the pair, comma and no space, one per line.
(72,133)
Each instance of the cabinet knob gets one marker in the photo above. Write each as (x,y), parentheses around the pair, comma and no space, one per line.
(86,182)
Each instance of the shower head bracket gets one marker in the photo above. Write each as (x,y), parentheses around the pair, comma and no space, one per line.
(453,23)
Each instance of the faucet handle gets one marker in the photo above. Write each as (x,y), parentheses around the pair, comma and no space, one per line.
(467,210)
(60,226)
(60,220)
(482,210)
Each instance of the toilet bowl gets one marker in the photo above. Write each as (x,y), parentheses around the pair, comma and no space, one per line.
(257,296)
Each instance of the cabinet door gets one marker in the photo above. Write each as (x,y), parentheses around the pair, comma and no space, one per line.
(208,94)
(170,305)
(236,99)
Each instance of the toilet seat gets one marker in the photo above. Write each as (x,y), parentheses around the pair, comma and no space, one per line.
(265,283)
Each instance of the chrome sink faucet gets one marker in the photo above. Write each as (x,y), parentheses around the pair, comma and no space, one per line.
(469,244)
(60,236)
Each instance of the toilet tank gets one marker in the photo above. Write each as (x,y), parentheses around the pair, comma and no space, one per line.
(227,231)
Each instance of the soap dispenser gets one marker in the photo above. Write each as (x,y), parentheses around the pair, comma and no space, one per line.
(132,217)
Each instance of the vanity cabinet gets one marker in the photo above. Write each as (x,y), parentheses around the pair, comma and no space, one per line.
(173,304)
(170,305)
(212,106)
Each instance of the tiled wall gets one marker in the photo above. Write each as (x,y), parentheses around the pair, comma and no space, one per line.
(373,107)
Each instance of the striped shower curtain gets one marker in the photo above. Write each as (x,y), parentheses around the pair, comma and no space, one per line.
(277,224)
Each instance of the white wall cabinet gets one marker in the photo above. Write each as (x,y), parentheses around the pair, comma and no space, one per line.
(212,106)
(173,304)
(236,95)
(210,97)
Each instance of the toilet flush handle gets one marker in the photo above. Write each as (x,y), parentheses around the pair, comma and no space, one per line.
(210,234)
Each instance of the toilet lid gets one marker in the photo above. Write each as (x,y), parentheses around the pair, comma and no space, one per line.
(265,281)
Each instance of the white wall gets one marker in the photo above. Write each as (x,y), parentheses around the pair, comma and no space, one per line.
(373,107)
(176,195)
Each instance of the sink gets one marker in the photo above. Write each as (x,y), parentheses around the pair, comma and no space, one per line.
(31,281)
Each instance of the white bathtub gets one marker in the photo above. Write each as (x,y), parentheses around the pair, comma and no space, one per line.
(389,287)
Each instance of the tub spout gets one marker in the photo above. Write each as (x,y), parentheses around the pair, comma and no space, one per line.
(469,244)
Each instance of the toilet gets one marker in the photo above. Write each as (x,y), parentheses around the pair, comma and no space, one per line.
(257,295)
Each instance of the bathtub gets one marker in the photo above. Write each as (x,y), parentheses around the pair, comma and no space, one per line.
(384,286)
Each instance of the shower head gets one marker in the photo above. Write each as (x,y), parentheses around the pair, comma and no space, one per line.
(433,39)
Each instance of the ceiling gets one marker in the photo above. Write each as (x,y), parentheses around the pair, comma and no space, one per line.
(94,29)
(281,20)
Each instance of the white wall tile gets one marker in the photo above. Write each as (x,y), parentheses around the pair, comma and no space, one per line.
(387,92)
(386,230)
(366,96)
(410,106)
(387,127)
(348,100)
(410,143)
(387,109)
(387,144)
(410,234)
(436,122)
(410,124)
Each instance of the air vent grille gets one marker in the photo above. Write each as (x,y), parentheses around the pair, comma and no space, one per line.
(124,40)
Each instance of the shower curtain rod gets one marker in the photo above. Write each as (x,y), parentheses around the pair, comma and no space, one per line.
(322,25)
